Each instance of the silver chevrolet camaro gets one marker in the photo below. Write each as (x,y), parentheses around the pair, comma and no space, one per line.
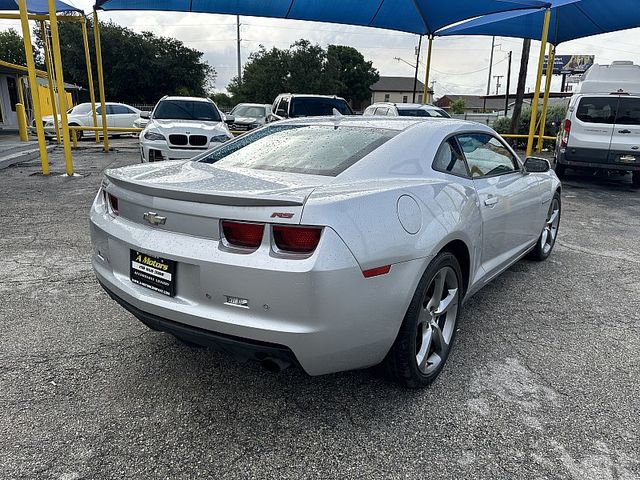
(333,243)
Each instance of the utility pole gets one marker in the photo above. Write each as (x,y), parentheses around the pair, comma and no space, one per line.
(522,80)
(238,43)
(506,94)
(493,44)
(498,85)
(415,77)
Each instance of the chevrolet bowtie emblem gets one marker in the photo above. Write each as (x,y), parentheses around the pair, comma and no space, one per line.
(154,219)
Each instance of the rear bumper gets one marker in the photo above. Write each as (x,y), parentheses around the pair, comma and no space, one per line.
(320,308)
(243,348)
(578,162)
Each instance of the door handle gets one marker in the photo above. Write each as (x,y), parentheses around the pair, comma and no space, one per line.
(624,131)
(490,201)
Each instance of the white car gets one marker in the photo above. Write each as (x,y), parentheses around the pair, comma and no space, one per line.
(389,109)
(182,127)
(118,115)
(331,242)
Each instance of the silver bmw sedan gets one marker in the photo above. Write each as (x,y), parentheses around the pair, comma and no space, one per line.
(332,243)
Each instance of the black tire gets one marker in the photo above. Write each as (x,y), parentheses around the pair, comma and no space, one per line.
(561,170)
(547,239)
(401,363)
(635,179)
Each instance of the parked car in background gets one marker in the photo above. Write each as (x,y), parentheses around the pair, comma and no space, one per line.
(334,243)
(118,115)
(288,105)
(405,110)
(248,116)
(143,120)
(601,130)
(182,127)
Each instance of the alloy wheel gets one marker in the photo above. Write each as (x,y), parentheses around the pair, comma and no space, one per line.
(436,323)
(550,231)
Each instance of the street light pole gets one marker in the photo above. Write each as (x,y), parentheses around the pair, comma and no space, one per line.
(238,48)
(506,95)
(493,44)
(415,77)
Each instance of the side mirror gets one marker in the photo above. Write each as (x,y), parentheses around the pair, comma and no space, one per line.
(281,112)
(229,118)
(145,115)
(537,165)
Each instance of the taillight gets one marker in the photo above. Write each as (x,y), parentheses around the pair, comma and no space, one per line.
(242,234)
(112,202)
(296,239)
(566,130)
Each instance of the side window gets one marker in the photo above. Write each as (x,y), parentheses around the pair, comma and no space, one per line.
(99,109)
(597,109)
(486,155)
(391,112)
(449,159)
(368,111)
(381,111)
(120,110)
(284,105)
(628,111)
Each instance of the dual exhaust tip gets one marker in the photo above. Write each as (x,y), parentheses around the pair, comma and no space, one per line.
(274,365)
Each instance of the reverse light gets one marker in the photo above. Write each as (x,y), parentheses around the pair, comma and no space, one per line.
(242,234)
(374,272)
(296,239)
(566,130)
(112,202)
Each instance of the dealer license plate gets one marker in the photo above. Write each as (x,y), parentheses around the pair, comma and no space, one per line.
(155,273)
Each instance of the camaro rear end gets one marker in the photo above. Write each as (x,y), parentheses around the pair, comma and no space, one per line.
(302,242)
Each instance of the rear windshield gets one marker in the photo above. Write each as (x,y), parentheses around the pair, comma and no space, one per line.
(252,111)
(597,109)
(311,149)
(316,107)
(421,112)
(186,110)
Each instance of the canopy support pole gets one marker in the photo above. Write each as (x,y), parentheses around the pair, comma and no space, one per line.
(425,96)
(62,94)
(547,91)
(50,79)
(33,84)
(103,107)
(536,93)
(87,59)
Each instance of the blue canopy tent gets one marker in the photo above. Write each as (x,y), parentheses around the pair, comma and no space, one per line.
(568,20)
(37,7)
(422,17)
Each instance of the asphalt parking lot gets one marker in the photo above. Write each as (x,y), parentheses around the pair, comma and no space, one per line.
(543,383)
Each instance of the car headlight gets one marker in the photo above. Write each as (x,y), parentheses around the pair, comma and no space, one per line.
(220,138)
(153,136)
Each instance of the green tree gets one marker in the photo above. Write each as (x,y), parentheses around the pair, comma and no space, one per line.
(12,49)
(304,68)
(457,106)
(139,67)
(555,115)
(224,101)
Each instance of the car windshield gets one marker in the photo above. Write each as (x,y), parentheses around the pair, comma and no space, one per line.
(253,111)
(81,109)
(421,112)
(186,110)
(311,149)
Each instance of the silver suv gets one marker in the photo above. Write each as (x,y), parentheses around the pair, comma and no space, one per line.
(405,110)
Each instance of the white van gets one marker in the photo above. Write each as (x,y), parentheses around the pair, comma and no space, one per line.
(602,127)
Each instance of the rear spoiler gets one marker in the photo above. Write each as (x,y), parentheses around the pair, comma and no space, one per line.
(241,199)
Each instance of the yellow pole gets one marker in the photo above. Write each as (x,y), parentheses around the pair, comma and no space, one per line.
(22,122)
(87,59)
(35,98)
(103,107)
(52,92)
(545,102)
(62,96)
(536,93)
(425,96)
(21,91)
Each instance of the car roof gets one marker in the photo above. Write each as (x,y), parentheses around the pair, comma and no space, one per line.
(383,122)
(253,105)
(310,95)
(406,106)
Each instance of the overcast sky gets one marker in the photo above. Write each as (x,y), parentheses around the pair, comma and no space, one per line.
(459,64)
